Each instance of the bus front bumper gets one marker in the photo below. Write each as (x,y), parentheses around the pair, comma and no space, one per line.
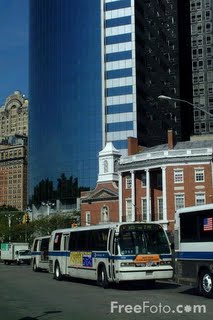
(132,275)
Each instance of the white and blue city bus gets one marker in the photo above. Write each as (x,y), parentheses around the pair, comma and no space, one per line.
(111,253)
(40,253)
(194,248)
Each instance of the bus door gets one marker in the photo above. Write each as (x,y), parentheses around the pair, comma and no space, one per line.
(113,244)
(65,249)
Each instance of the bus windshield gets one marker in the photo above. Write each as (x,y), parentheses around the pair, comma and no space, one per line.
(143,239)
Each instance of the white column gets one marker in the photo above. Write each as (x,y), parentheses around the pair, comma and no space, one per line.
(164,194)
(133,194)
(120,196)
(147,195)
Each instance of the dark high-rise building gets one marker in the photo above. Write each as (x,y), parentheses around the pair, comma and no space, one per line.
(65,91)
(201,19)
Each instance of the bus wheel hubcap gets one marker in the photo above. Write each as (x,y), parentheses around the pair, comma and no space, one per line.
(207,283)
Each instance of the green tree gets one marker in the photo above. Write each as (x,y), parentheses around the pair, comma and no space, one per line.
(44,225)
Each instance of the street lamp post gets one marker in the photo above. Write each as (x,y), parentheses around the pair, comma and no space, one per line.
(48,205)
(9,217)
(185,101)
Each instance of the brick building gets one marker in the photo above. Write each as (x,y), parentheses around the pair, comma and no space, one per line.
(101,204)
(156,182)
(13,175)
(150,184)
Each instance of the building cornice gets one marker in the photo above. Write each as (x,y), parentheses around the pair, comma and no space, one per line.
(165,158)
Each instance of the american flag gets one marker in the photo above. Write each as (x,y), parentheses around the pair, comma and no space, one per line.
(208,224)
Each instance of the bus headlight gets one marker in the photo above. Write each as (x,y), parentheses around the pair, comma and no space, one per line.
(165,262)
(127,264)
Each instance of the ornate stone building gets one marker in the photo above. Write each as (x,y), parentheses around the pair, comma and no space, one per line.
(13,151)
(14,116)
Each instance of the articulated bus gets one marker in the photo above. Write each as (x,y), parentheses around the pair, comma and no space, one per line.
(40,254)
(111,253)
(194,248)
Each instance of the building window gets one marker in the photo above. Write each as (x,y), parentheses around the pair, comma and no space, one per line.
(116,166)
(194,42)
(194,65)
(207,3)
(199,28)
(143,208)
(199,175)
(159,179)
(208,39)
(208,15)
(179,201)
(178,176)
(200,40)
(106,166)
(200,64)
(203,127)
(211,126)
(143,179)
(192,5)
(160,208)
(104,214)
(199,16)
(198,4)
(208,51)
(128,182)
(200,198)
(209,63)
(88,218)
(128,210)
(200,52)
(208,27)
(193,17)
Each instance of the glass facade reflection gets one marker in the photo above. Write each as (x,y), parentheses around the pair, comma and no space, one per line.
(65,133)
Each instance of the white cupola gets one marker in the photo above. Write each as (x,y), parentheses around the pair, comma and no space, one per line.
(108,163)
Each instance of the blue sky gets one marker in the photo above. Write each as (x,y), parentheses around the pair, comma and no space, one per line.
(13,47)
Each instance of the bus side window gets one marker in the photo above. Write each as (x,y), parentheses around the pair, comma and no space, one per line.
(57,241)
(35,245)
(44,248)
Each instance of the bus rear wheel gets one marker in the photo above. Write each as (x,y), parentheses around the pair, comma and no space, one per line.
(102,277)
(57,272)
(206,283)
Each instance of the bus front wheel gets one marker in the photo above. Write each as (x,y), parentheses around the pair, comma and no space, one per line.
(206,283)
(57,272)
(102,277)
(35,269)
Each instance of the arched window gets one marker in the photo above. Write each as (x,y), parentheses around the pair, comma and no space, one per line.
(106,166)
(104,214)
(116,166)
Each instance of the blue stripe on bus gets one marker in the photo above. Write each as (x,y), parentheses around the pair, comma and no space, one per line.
(36,253)
(194,255)
(106,255)
(59,253)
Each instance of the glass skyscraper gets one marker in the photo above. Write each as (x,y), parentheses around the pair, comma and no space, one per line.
(65,133)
